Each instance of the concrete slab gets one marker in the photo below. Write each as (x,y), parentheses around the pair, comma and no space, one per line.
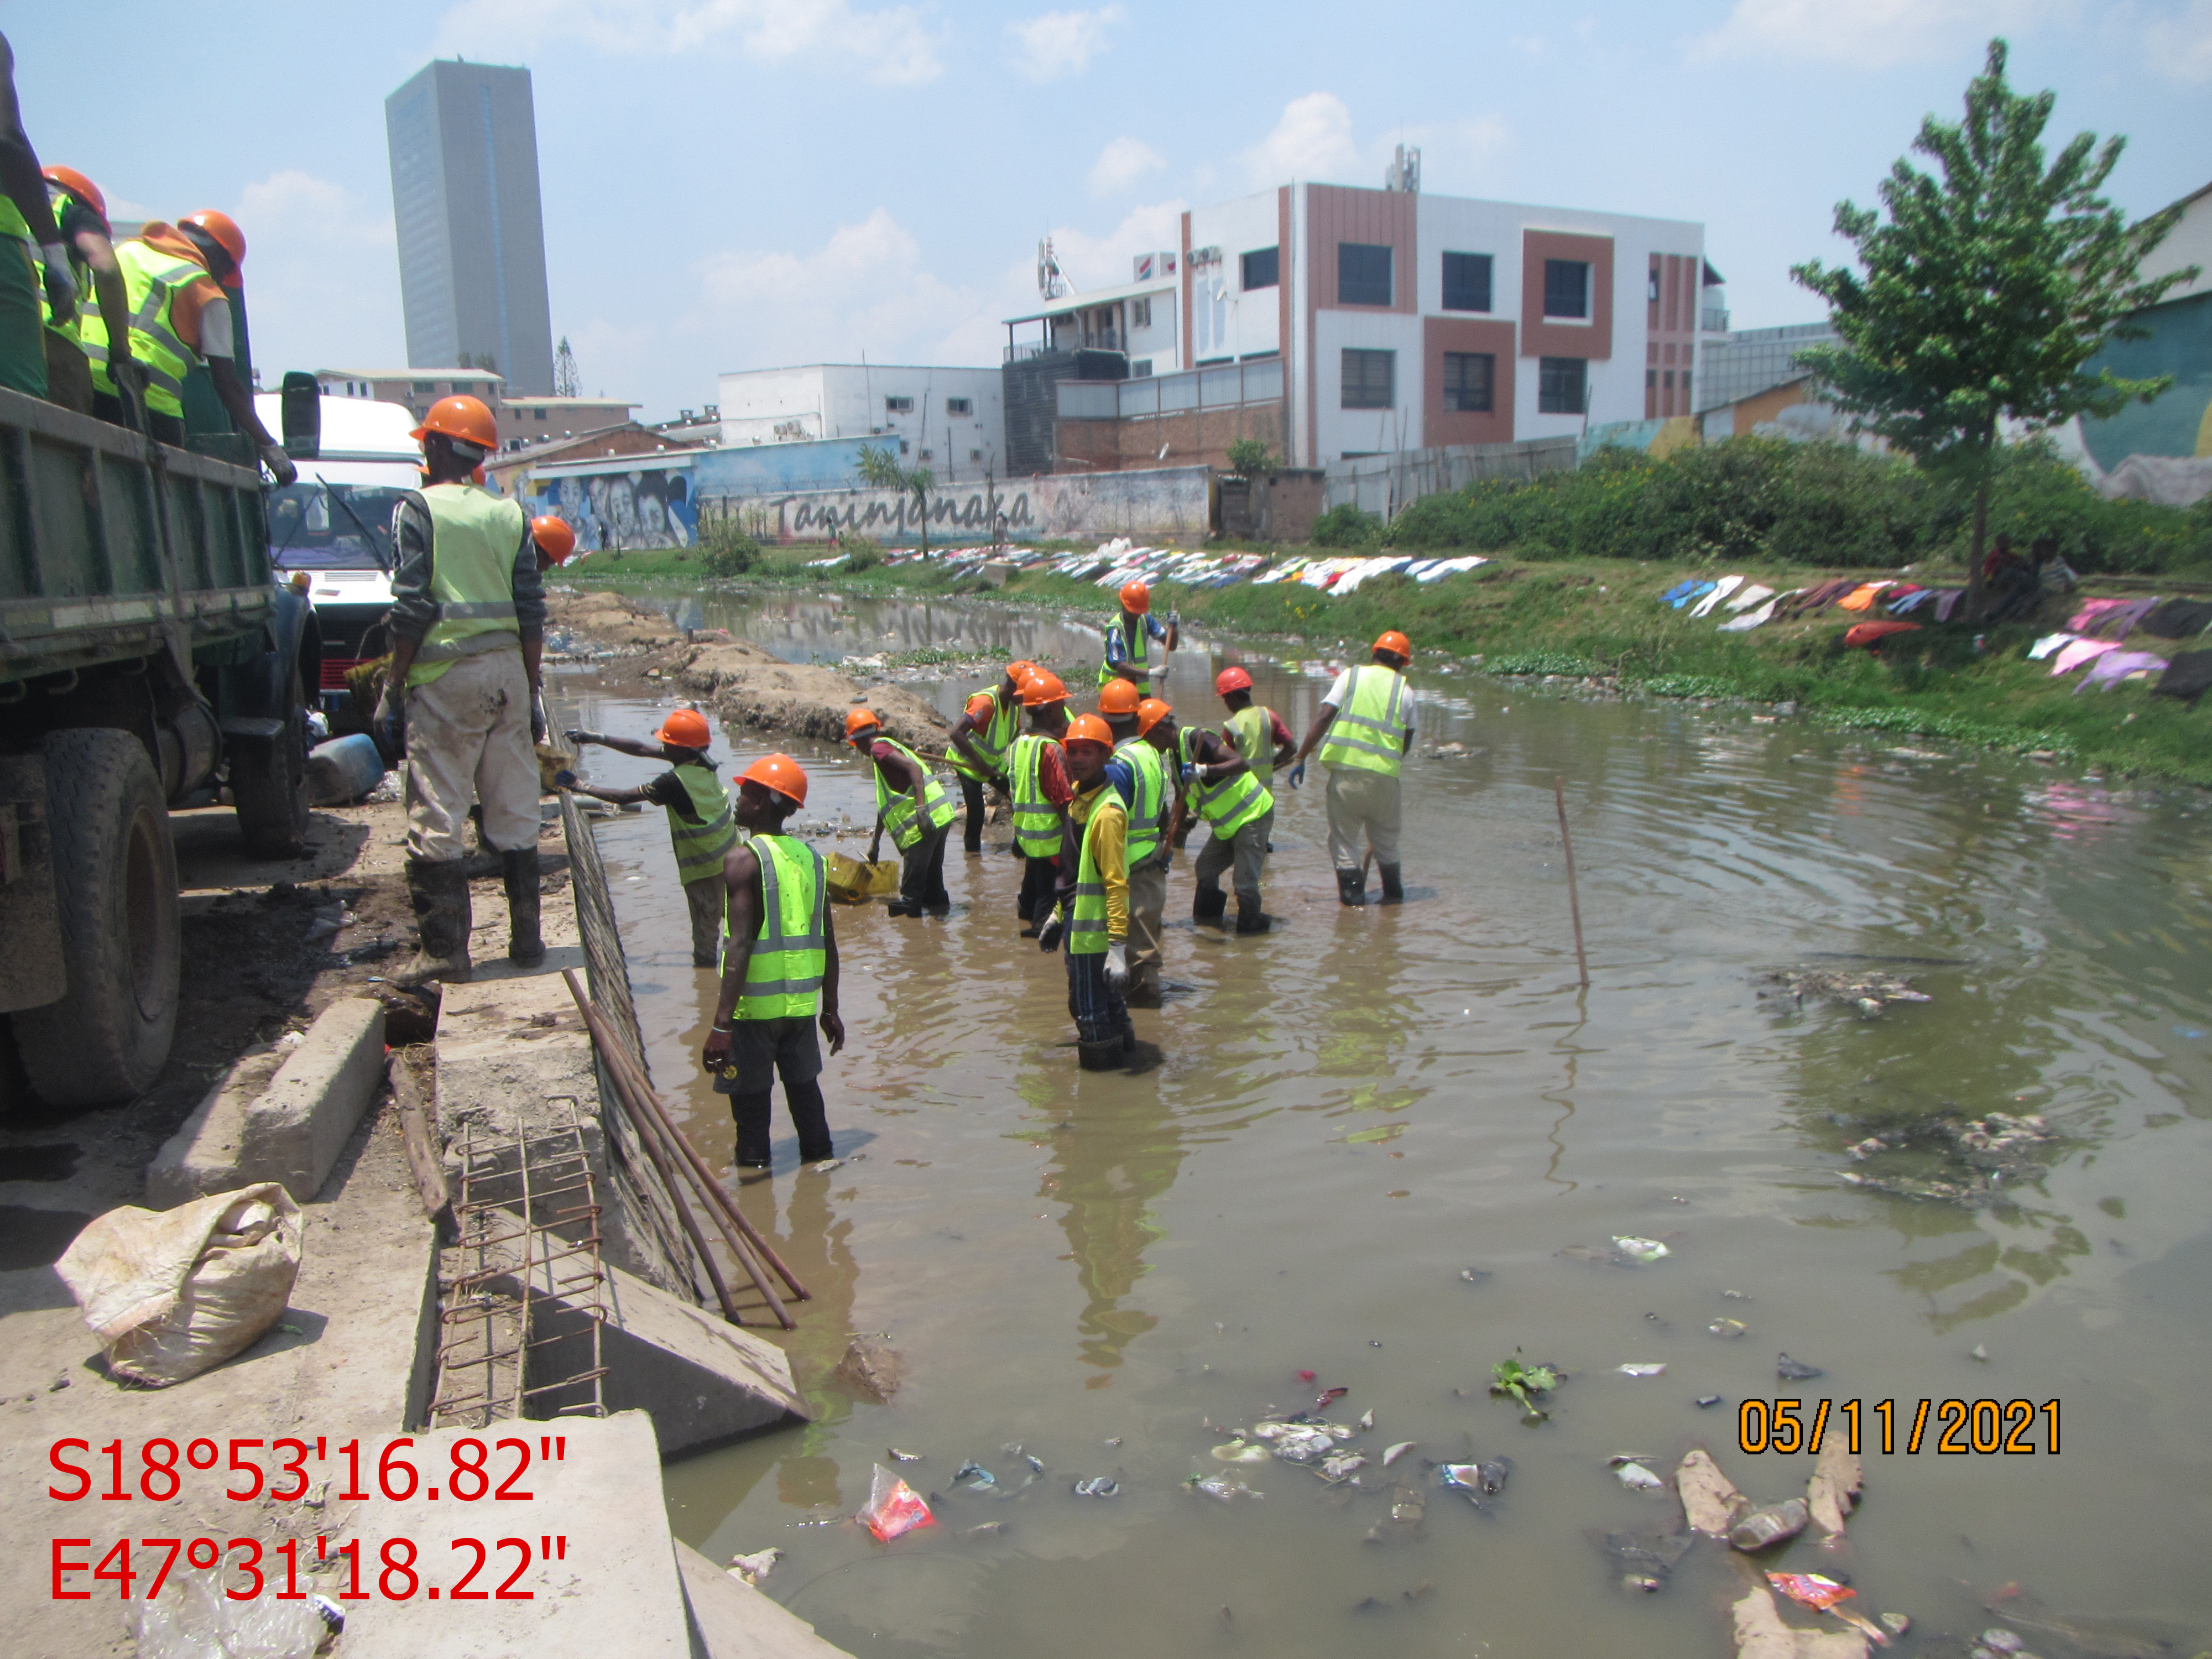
(731,1619)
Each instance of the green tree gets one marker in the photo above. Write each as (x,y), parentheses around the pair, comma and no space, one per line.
(1985,291)
(1249,456)
(880,469)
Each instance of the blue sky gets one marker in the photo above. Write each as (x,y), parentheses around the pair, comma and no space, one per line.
(735,184)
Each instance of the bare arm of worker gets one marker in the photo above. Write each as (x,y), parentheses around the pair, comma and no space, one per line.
(99,255)
(832,1026)
(1216,760)
(621,746)
(19,161)
(741,875)
(959,740)
(612,797)
(1322,718)
(237,400)
(913,782)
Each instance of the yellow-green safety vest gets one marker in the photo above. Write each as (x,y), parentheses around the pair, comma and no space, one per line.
(1252,734)
(1037,820)
(896,806)
(475,535)
(1140,650)
(701,842)
(1230,805)
(150,281)
(1087,929)
(12,222)
(1368,732)
(1150,797)
(992,740)
(61,201)
(783,978)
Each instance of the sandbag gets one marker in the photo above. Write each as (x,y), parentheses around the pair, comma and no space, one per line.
(171,1292)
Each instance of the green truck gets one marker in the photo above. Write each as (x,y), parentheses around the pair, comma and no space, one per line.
(149,659)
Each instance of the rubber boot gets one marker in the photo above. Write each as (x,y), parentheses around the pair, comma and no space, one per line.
(1099,1056)
(1351,886)
(1251,920)
(440,893)
(1393,890)
(1208,905)
(1128,1036)
(525,947)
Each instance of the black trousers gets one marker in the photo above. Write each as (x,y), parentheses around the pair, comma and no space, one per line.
(1039,877)
(972,792)
(755,1115)
(921,871)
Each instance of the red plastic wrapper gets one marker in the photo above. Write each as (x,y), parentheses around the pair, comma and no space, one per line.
(894,1507)
(1810,1589)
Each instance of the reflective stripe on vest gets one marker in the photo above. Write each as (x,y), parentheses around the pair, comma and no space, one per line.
(700,843)
(1087,929)
(1140,650)
(61,201)
(150,281)
(783,978)
(991,741)
(1151,795)
(1230,805)
(1252,734)
(1368,732)
(474,537)
(896,805)
(1037,820)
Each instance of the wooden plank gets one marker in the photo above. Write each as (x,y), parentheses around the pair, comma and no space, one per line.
(423,1156)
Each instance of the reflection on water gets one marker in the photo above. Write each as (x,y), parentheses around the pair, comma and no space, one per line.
(1356,1108)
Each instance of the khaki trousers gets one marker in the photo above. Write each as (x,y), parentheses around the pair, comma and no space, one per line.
(1245,852)
(468,740)
(703,898)
(1363,812)
(1148,898)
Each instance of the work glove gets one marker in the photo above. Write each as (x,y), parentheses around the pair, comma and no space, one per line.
(1117,966)
(1296,775)
(388,725)
(566,780)
(278,463)
(1048,935)
(539,724)
(61,282)
(1189,774)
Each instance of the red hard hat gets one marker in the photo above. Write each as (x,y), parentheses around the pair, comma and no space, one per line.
(1136,596)
(1041,688)
(1118,700)
(79,186)
(227,236)
(1395,643)
(686,728)
(1088,728)
(1233,679)
(466,418)
(860,720)
(1149,713)
(553,536)
(778,772)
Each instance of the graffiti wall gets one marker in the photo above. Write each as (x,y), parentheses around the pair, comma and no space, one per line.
(2161,450)
(615,504)
(1160,502)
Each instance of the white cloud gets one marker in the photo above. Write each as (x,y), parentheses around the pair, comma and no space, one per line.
(2181,46)
(1121,164)
(1315,141)
(1866,33)
(1059,43)
(322,277)
(1312,141)
(892,43)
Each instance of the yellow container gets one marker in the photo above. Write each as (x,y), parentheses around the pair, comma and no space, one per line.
(856,883)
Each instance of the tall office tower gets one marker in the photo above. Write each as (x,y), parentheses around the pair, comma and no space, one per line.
(463,143)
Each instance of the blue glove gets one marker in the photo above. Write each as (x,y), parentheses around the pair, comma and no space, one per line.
(1189,775)
(388,726)
(565,779)
(1296,774)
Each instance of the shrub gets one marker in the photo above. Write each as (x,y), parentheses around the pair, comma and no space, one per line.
(1248,457)
(1346,526)
(726,549)
(860,552)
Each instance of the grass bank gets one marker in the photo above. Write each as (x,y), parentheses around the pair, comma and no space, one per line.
(1602,617)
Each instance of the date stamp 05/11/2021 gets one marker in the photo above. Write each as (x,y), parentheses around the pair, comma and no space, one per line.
(1948,1428)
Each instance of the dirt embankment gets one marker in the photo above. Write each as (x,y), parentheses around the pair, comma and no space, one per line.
(748,686)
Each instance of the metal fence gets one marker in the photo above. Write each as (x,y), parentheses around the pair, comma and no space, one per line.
(1225,385)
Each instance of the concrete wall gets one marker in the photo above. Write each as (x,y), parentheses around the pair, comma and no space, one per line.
(1163,501)
(773,469)
(1386,485)
(1193,437)
(853,400)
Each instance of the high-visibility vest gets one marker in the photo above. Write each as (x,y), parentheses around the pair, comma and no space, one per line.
(475,537)
(783,977)
(1141,650)
(61,201)
(1252,734)
(1087,929)
(1150,797)
(150,281)
(1037,820)
(896,806)
(1230,805)
(12,222)
(701,842)
(991,740)
(1368,732)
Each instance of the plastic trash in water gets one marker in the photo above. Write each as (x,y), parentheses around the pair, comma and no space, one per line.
(1641,1371)
(1636,1477)
(894,1507)
(1641,1250)
(192,1619)
(1810,1588)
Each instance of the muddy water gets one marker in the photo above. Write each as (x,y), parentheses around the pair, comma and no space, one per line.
(1099,1266)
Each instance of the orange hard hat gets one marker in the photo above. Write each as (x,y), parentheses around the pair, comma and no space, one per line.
(1041,688)
(778,772)
(1233,679)
(79,186)
(1395,643)
(860,720)
(1088,728)
(1149,714)
(224,231)
(553,536)
(466,418)
(1136,596)
(686,728)
(1020,670)
(1118,700)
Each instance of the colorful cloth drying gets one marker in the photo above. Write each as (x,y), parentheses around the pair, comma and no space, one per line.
(1744,598)
(2049,643)
(2073,656)
(2109,670)
(1752,618)
(1864,636)
(1721,589)
(2177,619)
(1861,597)
(2187,677)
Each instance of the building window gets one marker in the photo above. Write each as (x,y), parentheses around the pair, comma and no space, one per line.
(1371,377)
(1686,388)
(959,405)
(426,387)
(1666,381)
(975,455)
(1140,314)
(1562,385)
(1466,281)
(1468,378)
(1566,288)
(1653,296)
(537,414)
(898,405)
(1363,274)
(927,455)
(1263,268)
(1141,369)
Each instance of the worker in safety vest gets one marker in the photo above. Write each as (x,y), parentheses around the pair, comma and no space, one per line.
(700,826)
(1095,905)
(1367,722)
(81,211)
(913,805)
(1254,731)
(778,970)
(1130,638)
(174,278)
(1224,789)
(461,697)
(1137,771)
(556,540)
(980,738)
(28,241)
(1036,774)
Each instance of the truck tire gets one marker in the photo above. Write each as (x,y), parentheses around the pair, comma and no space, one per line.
(115,874)
(269,785)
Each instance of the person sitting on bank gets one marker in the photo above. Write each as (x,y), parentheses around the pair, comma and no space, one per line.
(702,827)
(779,971)
(1130,638)
(980,738)
(913,805)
